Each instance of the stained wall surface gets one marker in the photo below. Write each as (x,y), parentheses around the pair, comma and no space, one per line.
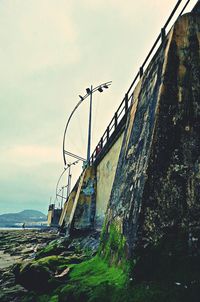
(84,204)
(87,205)
(156,189)
(105,174)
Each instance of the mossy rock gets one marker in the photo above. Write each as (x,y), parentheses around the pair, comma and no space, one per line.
(38,275)
(32,297)
(53,262)
(55,247)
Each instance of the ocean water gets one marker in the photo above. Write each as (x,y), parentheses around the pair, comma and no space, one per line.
(18,229)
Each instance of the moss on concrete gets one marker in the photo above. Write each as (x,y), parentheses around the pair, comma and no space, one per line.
(113,245)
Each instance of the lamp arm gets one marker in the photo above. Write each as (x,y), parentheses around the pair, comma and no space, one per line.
(82,99)
(67,127)
(65,169)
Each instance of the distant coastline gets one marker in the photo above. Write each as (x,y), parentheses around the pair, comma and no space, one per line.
(29,219)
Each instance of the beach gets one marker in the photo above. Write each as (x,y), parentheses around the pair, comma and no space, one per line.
(18,245)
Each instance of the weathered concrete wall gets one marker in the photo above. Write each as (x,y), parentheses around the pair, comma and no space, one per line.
(85,209)
(53,216)
(67,209)
(105,172)
(49,215)
(156,186)
(79,211)
(92,200)
(89,198)
(70,205)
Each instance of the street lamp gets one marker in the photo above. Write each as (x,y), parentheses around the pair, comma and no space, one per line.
(62,195)
(68,186)
(89,92)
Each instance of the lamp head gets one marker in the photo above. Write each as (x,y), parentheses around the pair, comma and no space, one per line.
(100,89)
(88,90)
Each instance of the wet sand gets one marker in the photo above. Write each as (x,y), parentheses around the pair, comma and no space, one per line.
(7,260)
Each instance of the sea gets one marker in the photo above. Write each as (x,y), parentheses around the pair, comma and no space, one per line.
(18,229)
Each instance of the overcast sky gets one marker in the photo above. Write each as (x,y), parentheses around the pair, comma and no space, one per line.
(50,51)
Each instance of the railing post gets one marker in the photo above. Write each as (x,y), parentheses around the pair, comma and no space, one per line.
(126,102)
(101,142)
(163,34)
(107,133)
(115,120)
(141,72)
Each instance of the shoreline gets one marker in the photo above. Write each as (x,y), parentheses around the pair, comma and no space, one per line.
(18,245)
(18,229)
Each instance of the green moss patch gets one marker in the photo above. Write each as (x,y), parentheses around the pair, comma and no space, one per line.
(113,246)
(96,281)
(53,262)
(49,250)
(32,297)
(92,280)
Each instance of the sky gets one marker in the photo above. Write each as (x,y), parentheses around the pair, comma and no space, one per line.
(50,52)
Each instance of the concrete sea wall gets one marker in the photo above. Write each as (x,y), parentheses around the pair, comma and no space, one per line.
(147,182)
(156,186)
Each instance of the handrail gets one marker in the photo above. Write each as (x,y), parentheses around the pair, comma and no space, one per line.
(125,105)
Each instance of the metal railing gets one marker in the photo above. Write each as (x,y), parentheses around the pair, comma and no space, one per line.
(123,108)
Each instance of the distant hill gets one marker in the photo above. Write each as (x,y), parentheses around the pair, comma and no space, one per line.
(29,217)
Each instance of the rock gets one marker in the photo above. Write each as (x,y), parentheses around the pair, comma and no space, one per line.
(13,293)
(34,277)
(39,275)
(15,246)
(63,274)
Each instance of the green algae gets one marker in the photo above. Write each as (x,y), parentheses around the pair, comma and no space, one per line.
(96,280)
(49,250)
(32,297)
(113,246)
(93,280)
(166,271)
(51,263)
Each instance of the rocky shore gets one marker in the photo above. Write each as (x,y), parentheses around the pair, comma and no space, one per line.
(18,246)
(39,266)
(34,263)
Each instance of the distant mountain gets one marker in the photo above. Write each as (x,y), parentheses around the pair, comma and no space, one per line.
(29,217)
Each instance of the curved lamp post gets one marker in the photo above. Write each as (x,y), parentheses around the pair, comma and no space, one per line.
(90,92)
(65,169)
(62,195)
(69,179)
